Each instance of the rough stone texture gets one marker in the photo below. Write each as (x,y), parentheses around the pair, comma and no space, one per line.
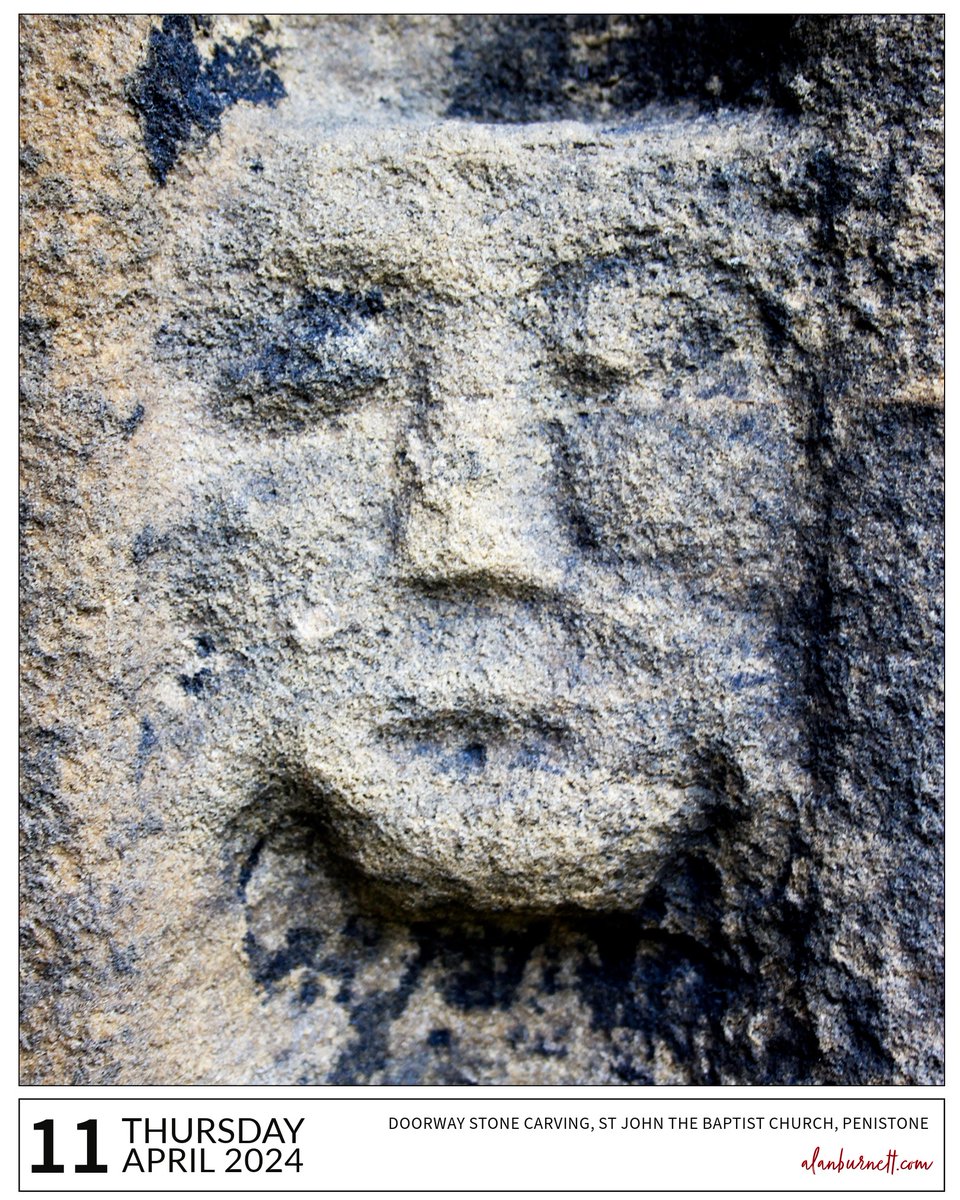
(482,517)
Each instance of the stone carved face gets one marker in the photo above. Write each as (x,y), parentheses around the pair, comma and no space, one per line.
(502,503)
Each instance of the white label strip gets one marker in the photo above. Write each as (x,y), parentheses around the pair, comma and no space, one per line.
(334,1144)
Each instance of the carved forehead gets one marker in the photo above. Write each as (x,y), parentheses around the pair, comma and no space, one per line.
(467,210)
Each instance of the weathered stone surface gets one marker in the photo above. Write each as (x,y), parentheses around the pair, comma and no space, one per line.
(483,549)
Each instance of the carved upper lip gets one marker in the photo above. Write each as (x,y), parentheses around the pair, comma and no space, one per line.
(472,716)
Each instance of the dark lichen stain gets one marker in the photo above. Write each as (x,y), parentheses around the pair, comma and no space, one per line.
(301,949)
(146,543)
(529,68)
(637,981)
(246,871)
(145,747)
(515,74)
(776,319)
(542,1050)
(371,1019)
(474,755)
(180,94)
(205,645)
(124,961)
(36,333)
(834,192)
(31,159)
(195,685)
(131,423)
(310,989)
(481,965)
(148,736)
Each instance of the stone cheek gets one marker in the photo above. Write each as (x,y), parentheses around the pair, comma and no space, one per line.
(484,589)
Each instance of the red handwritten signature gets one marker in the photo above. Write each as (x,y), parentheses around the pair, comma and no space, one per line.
(888,1165)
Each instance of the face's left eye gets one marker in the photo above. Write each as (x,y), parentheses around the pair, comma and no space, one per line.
(629,319)
(313,359)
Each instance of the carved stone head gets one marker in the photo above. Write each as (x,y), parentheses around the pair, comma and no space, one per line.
(507,473)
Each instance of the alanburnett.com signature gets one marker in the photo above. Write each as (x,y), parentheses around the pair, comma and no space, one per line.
(888,1165)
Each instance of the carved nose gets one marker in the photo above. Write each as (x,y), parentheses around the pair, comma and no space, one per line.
(480,510)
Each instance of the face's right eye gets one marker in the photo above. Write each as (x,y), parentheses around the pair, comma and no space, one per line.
(315,358)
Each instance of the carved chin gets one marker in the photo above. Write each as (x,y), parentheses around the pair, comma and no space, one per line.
(497,830)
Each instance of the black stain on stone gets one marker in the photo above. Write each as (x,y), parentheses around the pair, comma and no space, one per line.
(301,950)
(148,737)
(474,755)
(196,685)
(124,961)
(310,989)
(131,423)
(278,373)
(148,742)
(246,871)
(513,74)
(528,68)
(205,645)
(30,159)
(776,319)
(682,972)
(712,60)
(36,333)
(481,965)
(371,1020)
(146,543)
(180,94)
(834,191)
(553,1050)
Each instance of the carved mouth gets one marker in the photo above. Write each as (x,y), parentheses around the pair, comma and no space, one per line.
(492,801)
(465,736)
